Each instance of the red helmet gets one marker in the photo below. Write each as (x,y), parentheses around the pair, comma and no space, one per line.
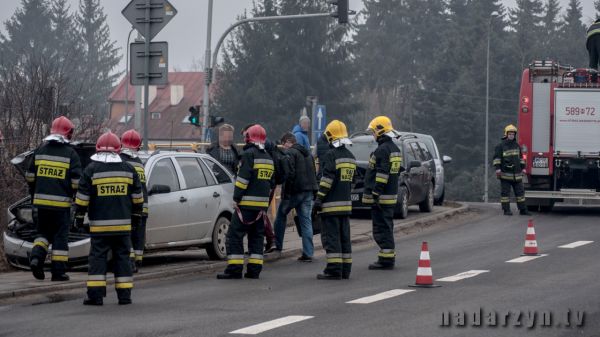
(255,134)
(131,139)
(62,126)
(108,142)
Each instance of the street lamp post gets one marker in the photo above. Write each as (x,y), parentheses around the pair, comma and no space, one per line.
(487,110)
(207,73)
(127,77)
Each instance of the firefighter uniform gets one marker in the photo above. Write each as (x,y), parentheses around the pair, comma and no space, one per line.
(53,178)
(593,44)
(251,194)
(509,164)
(381,190)
(111,193)
(334,204)
(138,232)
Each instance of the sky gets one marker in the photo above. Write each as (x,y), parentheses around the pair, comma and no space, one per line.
(186,33)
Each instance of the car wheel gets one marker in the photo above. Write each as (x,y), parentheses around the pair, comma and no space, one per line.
(440,201)
(217,250)
(427,204)
(402,204)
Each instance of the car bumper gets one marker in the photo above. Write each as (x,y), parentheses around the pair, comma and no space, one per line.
(17,251)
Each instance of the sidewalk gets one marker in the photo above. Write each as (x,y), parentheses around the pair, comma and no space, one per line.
(171,264)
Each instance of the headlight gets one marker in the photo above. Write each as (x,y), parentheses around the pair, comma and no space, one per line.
(25,214)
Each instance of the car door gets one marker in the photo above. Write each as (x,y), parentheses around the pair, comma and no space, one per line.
(223,180)
(428,162)
(201,203)
(412,176)
(167,211)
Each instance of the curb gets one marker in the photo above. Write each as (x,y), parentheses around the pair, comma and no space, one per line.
(189,270)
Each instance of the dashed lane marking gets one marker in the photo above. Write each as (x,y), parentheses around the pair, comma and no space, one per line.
(526,258)
(462,276)
(270,325)
(381,296)
(576,244)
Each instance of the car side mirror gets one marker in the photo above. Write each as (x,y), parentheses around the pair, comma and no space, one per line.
(159,189)
(446,159)
(413,164)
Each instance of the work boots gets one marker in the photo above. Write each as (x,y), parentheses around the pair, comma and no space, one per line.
(60,278)
(325,276)
(37,269)
(381,266)
(93,301)
(508,212)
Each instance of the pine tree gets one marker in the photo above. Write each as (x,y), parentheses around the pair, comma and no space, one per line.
(526,21)
(552,25)
(573,36)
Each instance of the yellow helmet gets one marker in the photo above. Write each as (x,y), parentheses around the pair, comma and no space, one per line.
(509,128)
(335,130)
(380,125)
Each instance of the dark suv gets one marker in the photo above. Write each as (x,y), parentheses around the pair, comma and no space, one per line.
(417,174)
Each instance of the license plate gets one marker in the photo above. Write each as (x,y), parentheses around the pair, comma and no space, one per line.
(355,197)
(540,162)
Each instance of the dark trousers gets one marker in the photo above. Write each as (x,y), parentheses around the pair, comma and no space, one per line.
(52,229)
(120,246)
(593,45)
(235,243)
(138,240)
(383,233)
(505,187)
(335,236)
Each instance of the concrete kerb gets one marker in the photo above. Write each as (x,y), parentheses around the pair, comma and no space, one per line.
(189,270)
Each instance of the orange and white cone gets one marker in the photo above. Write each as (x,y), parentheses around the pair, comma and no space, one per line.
(531,247)
(424,272)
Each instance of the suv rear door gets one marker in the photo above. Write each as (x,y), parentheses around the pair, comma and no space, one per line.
(414,176)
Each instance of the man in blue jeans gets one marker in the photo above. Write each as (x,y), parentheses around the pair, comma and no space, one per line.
(298,193)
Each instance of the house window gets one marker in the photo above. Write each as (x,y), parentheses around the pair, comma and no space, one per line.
(125,119)
(156,115)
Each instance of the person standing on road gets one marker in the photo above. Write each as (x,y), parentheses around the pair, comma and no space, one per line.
(131,142)
(334,204)
(510,168)
(110,192)
(53,178)
(381,190)
(225,151)
(298,193)
(300,131)
(593,43)
(251,198)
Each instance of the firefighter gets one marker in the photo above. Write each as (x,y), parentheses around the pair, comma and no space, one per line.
(334,204)
(510,167)
(381,190)
(131,141)
(593,43)
(251,199)
(53,178)
(111,193)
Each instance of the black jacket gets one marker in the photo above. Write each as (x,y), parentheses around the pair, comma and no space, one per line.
(322,149)
(53,175)
(111,193)
(381,179)
(254,180)
(509,159)
(138,165)
(302,176)
(339,166)
(214,151)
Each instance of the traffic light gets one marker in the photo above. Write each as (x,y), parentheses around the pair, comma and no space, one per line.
(194,117)
(341,12)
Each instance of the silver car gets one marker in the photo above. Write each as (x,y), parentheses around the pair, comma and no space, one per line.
(190,205)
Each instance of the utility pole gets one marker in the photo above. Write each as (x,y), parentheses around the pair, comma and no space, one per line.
(487,112)
(207,74)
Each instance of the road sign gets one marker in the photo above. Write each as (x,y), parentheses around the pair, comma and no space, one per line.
(161,12)
(319,121)
(159,63)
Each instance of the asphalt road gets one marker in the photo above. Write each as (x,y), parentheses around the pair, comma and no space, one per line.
(565,279)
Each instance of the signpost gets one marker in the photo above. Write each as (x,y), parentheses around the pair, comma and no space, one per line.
(319,122)
(150,64)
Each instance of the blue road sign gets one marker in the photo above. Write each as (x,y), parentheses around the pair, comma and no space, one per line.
(319,122)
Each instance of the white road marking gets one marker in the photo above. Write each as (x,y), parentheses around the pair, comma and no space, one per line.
(575,244)
(526,258)
(462,276)
(276,323)
(381,296)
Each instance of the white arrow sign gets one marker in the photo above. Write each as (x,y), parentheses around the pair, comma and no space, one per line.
(320,119)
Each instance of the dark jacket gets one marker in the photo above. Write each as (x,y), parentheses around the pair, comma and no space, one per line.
(254,180)
(110,192)
(339,166)
(302,176)
(509,159)
(53,175)
(322,149)
(381,179)
(593,30)
(214,151)
(138,165)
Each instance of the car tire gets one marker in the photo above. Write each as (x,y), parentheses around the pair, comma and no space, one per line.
(216,250)
(427,204)
(440,201)
(402,204)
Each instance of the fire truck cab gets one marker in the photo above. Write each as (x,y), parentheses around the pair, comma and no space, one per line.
(559,133)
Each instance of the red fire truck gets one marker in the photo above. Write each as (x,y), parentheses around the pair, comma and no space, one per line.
(559,133)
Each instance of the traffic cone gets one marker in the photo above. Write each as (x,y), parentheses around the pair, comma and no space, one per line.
(424,273)
(531,247)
